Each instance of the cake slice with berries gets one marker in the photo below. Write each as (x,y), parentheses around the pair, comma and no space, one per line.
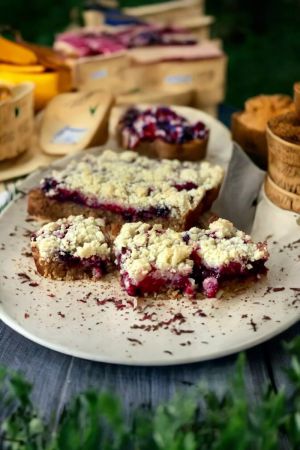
(223,253)
(160,132)
(72,248)
(153,260)
(125,187)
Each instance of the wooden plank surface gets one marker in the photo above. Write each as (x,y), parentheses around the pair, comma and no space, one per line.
(57,378)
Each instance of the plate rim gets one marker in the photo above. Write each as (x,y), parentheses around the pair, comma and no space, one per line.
(15,326)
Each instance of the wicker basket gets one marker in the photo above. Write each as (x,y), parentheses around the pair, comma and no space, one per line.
(102,72)
(16,121)
(283,162)
(297,97)
(167,12)
(282,198)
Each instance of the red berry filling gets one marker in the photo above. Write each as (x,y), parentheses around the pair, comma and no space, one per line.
(155,282)
(51,187)
(93,266)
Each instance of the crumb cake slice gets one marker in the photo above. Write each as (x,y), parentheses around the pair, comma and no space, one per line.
(153,260)
(161,132)
(224,253)
(125,187)
(72,248)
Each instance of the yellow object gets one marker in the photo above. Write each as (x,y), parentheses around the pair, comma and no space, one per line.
(47,84)
(13,53)
(23,69)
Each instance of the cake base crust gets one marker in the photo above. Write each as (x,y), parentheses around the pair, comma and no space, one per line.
(194,150)
(58,270)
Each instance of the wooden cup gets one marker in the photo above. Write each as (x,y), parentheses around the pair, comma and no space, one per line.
(253,141)
(283,162)
(283,199)
(297,98)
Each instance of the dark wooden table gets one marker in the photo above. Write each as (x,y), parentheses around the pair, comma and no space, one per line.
(57,377)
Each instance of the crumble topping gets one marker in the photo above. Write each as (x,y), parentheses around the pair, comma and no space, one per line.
(132,181)
(74,235)
(222,243)
(141,247)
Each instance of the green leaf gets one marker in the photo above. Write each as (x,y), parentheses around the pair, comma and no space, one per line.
(198,419)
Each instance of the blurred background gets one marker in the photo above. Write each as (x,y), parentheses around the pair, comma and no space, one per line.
(261,37)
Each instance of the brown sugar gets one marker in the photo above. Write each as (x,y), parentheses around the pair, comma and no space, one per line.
(259,110)
(287,127)
(249,126)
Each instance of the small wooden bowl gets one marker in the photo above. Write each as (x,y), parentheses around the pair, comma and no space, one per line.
(155,96)
(283,162)
(253,142)
(282,198)
(16,120)
(297,98)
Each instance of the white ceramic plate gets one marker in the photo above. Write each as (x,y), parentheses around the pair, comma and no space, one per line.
(98,321)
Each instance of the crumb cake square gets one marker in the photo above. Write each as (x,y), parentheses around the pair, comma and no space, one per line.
(161,132)
(224,253)
(72,248)
(125,187)
(153,260)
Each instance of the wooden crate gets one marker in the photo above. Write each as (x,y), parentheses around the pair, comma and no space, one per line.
(167,12)
(197,25)
(102,72)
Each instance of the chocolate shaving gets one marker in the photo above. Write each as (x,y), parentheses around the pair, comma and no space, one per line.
(24,275)
(27,233)
(148,316)
(118,303)
(199,313)
(179,332)
(253,325)
(134,341)
(27,254)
